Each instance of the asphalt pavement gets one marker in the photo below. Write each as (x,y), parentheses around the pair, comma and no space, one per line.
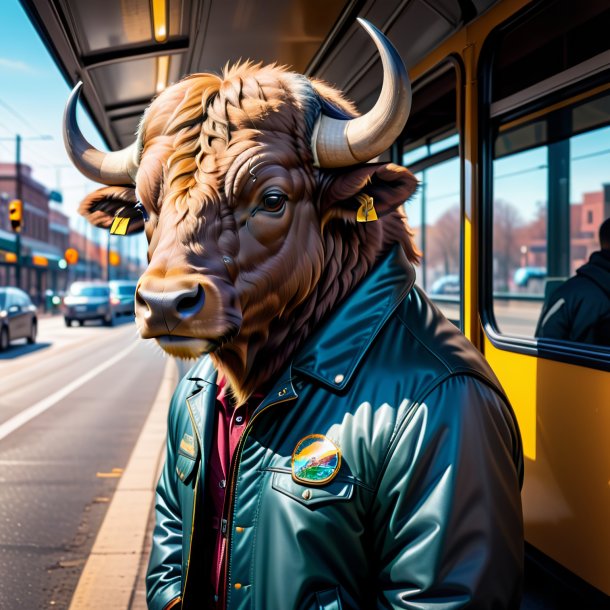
(71,410)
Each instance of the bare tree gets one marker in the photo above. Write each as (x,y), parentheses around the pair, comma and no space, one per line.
(506,223)
(444,242)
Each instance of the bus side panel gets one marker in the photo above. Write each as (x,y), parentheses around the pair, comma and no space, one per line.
(564,416)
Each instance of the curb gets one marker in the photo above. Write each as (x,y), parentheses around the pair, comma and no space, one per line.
(109,576)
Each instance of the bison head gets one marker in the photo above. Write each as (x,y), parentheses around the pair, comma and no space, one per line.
(251,182)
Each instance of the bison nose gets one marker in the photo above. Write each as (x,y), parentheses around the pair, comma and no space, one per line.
(167,309)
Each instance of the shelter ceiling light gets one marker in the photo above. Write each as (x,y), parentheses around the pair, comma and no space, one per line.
(159,13)
(162,72)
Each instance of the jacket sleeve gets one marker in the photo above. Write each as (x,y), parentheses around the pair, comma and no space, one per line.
(163,578)
(554,322)
(448,521)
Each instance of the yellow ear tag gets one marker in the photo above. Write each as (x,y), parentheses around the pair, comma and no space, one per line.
(366,211)
(119,225)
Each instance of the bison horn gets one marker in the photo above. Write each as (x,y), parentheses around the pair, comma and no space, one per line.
(116,168)
(340,143)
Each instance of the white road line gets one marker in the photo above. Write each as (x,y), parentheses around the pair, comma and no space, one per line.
(14,423)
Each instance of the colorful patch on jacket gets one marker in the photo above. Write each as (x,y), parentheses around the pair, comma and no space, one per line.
(187,445)
(315,460)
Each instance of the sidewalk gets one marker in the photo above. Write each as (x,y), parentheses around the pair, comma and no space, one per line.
(113,576)
(138,600)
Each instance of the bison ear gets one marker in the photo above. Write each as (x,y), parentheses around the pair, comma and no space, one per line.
(389,185)
(101,208)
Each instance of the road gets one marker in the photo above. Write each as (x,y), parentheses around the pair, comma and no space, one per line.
(63,444)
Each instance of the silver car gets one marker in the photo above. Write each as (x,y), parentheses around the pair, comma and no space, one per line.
(88,301)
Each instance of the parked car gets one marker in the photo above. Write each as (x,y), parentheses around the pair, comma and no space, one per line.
(88,301)
(447,285)
(17,317)
(523,275)
(122,296)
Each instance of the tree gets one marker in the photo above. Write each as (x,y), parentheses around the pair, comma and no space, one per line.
(443,247)
(506,224)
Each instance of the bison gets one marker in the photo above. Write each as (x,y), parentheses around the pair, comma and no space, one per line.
(252,225)
(281,259)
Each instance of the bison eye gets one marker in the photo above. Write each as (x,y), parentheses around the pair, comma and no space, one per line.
(273,202)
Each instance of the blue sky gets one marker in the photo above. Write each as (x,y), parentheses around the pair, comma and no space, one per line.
(32,97)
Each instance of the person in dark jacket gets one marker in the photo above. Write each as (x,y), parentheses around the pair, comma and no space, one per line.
(579,310)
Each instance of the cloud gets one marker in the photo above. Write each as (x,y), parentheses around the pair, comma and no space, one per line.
(12,64)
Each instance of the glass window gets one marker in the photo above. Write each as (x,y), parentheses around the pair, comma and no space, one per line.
(519,239)
(80,290)
(123,289)
(431,151)
(551,194)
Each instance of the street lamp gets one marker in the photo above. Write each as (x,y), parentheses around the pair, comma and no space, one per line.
(523,251)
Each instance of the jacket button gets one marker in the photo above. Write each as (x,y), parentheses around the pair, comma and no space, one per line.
(239,530)
(238,585)
(306,494)
(339,378)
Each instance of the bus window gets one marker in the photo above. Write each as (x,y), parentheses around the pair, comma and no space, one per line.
(519,239)
(549,105)
(551,193)
(430,149)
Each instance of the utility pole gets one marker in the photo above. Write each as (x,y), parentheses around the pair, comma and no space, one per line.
(19,194)
(108,258)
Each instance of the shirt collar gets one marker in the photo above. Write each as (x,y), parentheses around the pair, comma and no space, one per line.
(334,352)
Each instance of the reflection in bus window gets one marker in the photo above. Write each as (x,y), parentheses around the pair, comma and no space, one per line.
(589,193)
(519,240)
(579,309)
(434,215)
(551,195)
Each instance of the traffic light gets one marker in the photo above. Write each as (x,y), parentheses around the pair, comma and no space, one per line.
(71,256)
(15,214)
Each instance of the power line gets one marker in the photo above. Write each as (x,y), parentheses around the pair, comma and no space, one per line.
(20,117)
(36,151)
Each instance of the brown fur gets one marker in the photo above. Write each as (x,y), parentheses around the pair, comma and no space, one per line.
(205,138)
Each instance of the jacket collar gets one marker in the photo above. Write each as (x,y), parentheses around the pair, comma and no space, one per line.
(334,352)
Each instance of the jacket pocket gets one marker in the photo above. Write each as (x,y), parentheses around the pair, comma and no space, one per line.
(185,467)
(312,496)
(328,600)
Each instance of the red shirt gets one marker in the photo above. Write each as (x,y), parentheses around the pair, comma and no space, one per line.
(230,423)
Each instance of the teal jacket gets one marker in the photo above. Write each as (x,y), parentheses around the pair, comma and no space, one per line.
(424,508)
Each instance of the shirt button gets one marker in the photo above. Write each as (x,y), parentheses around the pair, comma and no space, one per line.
(222,484)
(239,419)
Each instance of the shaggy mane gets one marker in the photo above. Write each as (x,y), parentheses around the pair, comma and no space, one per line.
(205,124)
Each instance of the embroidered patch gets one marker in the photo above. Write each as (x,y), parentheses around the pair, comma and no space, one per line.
(187,445)
(315,460)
